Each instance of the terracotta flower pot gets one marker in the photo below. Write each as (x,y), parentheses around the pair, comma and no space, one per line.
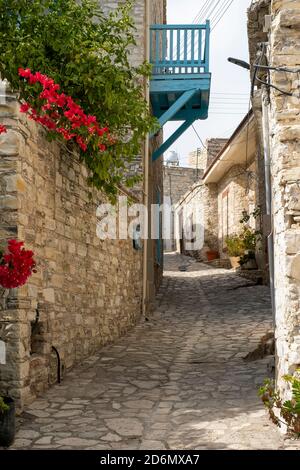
(211,255)
(234,260)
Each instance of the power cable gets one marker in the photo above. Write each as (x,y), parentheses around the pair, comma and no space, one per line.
(204,146)
(199,14)
(218,21)
(219,11)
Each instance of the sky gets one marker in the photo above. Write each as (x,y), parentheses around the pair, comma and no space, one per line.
(230,84)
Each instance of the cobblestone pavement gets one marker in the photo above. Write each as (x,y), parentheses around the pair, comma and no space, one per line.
(177,381)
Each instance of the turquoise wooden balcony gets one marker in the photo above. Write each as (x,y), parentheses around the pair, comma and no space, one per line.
(180,82)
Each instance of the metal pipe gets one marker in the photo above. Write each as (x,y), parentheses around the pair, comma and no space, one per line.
(269,204)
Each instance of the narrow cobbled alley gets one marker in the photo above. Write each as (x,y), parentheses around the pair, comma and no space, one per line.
(177,381)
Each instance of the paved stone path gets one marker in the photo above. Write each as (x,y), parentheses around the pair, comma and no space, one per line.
(177,381)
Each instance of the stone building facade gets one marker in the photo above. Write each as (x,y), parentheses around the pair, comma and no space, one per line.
(234,176)
(86,292)
(202,157)
(197,209)
(274,38)
(177,181)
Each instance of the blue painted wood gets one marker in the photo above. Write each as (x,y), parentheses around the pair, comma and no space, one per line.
(171,46)
(164,45)
(207,46)
(157,51)
(200,48)
(171,85)
(180,84)
(188,39)
(174,62)
(185,58)
(181,77)
(164,147)
(193,45)
(178,26)
(176,106)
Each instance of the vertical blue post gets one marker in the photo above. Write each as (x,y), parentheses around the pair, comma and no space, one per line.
(185,50)
(178,48)
(200,35)
(192,48)
(157,54)
(164,45)
(171,47)
(207,37)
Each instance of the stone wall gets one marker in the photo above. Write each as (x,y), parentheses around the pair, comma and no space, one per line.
(257,38)
(177,181)
(238,194)
(281,36)
(213,148)
(189,222)
(202,158)
(285,167)
(86,292)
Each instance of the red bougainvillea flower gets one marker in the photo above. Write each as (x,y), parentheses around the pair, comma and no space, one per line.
(16,266)
(59,113)
(24,108)
(102,147)
(2,129)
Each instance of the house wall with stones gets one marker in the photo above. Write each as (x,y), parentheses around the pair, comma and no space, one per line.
(281,37)
(189,221)
(86,292)
(257,39)
(235,195)
(198,206)
(177,181)
(202,158)
(285,168)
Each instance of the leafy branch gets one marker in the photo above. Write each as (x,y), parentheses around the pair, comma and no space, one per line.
(288,411)
(87,53)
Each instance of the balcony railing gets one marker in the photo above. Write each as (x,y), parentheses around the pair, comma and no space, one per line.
(179,49)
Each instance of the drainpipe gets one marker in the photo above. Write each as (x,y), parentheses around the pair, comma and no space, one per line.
(146,165)
(268,185)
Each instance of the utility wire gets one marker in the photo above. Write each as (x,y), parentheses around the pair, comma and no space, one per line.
(204,146)
(219,11)
(220,18)
(199,14)
(204,12)
(210,12)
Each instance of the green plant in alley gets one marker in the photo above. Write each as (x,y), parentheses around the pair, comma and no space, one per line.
(288,411)
(3,406)
(87,53)
(235,246)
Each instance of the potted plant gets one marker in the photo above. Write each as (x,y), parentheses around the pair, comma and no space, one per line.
(16,266)
(7,421)
(249,239)
(235,249)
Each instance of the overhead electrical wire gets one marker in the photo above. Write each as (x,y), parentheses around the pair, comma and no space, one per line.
(219,11)
(217,21)
(194,129)
(213,10)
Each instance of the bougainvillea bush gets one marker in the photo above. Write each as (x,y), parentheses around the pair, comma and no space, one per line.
(86,53)
(58,113)
(16,265)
